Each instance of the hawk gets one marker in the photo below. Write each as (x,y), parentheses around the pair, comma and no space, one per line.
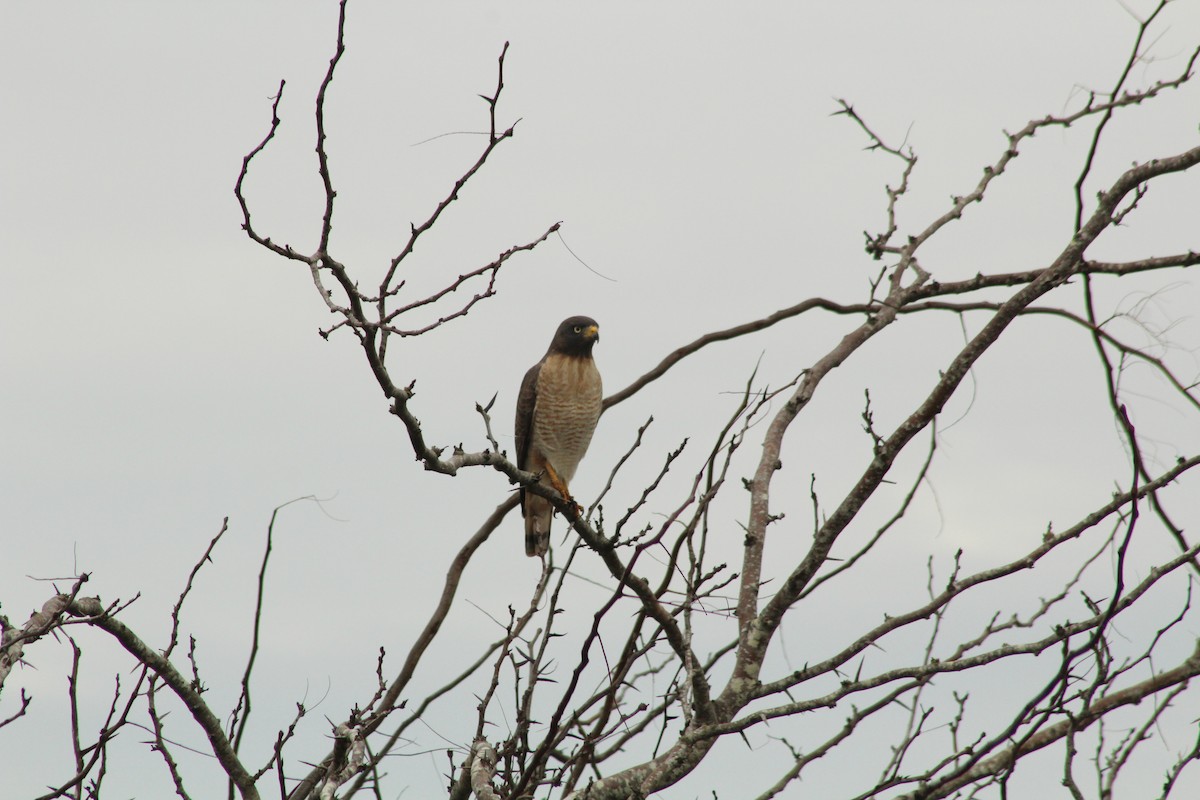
(557,410)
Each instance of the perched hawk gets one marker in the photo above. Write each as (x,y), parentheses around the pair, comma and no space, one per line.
(557,411)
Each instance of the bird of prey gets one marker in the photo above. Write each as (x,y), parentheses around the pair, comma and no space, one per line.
(557,410)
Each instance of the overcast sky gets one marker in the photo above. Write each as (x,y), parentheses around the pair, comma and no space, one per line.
(160,372)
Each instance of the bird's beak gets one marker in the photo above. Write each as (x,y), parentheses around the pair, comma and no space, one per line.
(592,332)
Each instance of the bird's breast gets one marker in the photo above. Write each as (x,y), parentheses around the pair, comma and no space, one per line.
(569,396)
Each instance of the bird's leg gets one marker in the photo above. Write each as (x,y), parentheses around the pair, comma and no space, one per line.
(560,486)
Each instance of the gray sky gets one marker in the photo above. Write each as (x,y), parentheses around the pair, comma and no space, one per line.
(161,372)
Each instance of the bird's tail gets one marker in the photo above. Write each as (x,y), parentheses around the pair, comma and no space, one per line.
(538,512)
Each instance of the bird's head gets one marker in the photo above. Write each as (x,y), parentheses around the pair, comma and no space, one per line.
(575,336)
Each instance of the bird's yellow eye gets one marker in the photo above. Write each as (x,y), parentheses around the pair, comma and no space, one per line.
(578,329)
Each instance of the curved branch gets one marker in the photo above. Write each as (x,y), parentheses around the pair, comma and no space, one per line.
(307,785)
(94,614)
(1065,265)
(1079,721)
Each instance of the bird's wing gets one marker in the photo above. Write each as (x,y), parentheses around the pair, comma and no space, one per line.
(526,401)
